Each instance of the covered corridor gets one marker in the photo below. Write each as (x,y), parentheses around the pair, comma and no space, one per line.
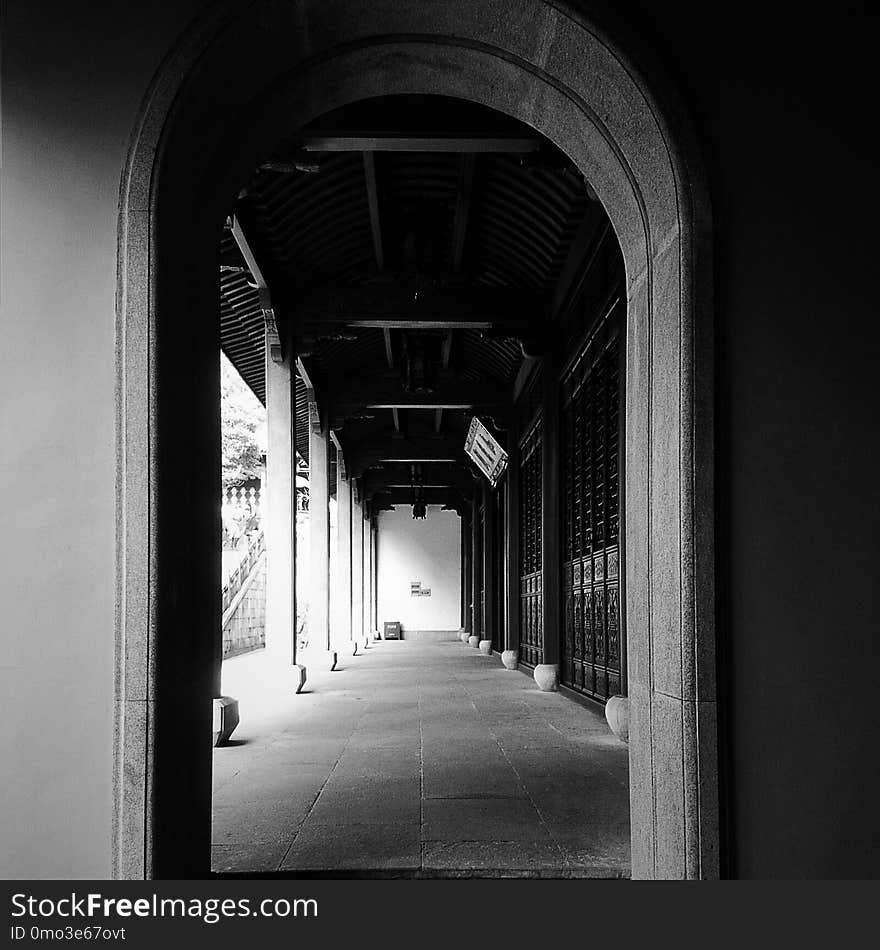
(429,300)
(417,758)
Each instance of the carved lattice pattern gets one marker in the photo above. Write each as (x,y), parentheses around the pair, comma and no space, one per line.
(530,540)
(591,645)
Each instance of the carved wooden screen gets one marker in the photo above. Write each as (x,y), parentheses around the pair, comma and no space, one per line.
(590,436)
(481,594)
(531,560)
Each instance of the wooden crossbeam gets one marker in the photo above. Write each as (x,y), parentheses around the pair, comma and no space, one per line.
(390,142)
(378,393)
(373,451)
(375,481)
(406,304)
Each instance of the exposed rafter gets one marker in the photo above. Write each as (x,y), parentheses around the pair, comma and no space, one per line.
(577,262)
(373,204)
(445,353)
(273,339)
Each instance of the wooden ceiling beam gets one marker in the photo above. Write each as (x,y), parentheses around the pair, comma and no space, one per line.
(378,393)
(390,142)
(379,480)
(377,451)
(403,304)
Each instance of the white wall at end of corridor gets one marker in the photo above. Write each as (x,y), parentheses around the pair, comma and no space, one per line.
(426,552)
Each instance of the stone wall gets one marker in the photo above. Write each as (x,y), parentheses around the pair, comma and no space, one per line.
(245,631)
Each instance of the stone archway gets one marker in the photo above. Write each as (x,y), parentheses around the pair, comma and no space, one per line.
(242,78)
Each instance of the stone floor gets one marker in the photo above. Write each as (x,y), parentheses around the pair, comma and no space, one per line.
(418,759)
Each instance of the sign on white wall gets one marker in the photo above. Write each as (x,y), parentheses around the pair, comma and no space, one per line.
(483,448)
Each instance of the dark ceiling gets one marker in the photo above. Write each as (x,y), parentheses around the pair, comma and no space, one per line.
(416,247)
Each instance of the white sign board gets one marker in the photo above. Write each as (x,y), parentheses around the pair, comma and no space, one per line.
(483,448)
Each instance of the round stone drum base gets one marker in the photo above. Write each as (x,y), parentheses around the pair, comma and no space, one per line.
(617,714)
(509,658)
(547,676)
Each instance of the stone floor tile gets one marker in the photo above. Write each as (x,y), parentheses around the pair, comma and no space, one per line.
(523,856)
(482,819)
(248,856)
(322,845)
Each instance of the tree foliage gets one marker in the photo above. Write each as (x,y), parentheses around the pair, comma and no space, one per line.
(242,426)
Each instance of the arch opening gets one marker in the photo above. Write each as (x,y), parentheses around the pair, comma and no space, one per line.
(188,159)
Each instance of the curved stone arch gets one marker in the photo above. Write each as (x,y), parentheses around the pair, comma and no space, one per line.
(543,64)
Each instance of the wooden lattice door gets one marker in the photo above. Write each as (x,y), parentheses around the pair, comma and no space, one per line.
(530,548)
(590,437)
(481,594)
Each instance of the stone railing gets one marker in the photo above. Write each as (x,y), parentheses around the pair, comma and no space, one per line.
(240,511)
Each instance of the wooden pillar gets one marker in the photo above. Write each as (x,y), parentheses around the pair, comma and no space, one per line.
(547,673)
(511,633)
(279,508)
(341,615)
(357,564)
(476,565)
(367,546)
(462,571)
(466,574)
(490,613)
(374,547)
(319,530)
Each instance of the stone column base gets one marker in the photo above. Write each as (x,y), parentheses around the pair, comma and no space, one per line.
(510,658)
(617,714)
(485,647)
(226,718)
(463,636)
(473,642)
(299,676)
(547,676)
